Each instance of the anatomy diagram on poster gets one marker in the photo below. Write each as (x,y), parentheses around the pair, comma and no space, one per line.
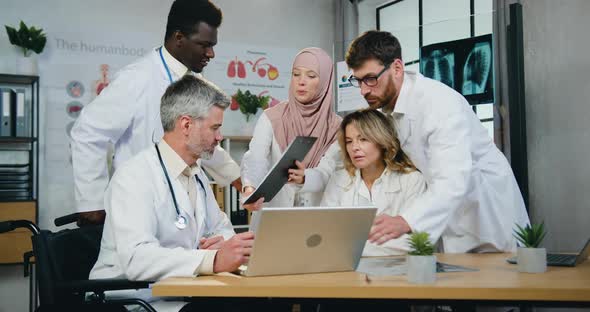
(74,69)
(261,73)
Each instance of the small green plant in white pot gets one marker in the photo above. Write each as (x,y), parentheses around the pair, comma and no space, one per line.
(420,261)
(530,257)
(29,40)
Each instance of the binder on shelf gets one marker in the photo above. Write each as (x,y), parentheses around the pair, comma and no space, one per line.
(242,212)
(21,115)
(8,126)
(216,190)
(239,215)
(15,182)
(219,192)
(233,205)
(14,195)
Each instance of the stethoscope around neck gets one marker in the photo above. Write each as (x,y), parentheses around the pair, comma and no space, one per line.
(181,221)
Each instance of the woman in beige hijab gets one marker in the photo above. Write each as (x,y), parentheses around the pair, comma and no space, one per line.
(308,112)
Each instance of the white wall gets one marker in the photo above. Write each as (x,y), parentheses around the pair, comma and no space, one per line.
(284,23)
(293,24)
(367,17)
(557,90)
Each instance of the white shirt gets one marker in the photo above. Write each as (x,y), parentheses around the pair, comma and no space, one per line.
(127,114)
(472,201)
(392,193)
(177,69)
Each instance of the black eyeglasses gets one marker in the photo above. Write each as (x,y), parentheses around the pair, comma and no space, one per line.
(369,81)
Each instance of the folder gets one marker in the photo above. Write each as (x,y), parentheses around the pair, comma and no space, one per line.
(233,205)
(242,212)
(21,120)
(220,196)
(219,200)
(239,209)
(278,175)
(8,126)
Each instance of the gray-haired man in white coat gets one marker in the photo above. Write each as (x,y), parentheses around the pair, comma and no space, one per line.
(162,219)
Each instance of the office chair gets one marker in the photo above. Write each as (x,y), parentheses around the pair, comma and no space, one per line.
(63,262)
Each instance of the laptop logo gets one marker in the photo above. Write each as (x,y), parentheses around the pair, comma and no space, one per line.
(314,240)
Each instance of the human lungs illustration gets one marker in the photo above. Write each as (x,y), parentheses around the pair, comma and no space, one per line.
(237,69)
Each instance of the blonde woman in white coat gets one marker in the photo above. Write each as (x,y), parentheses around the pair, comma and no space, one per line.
(376,171)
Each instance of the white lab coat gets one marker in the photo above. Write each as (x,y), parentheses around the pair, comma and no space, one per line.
(392,194)
(140,239)
(472,202)
(262,154)
(127,114)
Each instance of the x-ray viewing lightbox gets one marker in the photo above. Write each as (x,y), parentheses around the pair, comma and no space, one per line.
(464,65)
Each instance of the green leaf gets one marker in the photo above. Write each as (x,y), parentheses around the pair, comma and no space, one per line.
(420,244)
(531,235)
(12,35)
(264,101)
(39,45)
(27,38)
(250,103)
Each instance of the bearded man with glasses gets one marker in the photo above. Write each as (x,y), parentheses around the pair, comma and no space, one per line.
(472,201)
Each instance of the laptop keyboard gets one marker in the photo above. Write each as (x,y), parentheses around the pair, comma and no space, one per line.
(561,259)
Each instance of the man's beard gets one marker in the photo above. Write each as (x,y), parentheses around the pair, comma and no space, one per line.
(386,99)
(203,151)
(206,155)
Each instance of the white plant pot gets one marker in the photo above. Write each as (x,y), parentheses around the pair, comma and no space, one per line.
(531,260)
(27,65)
(421,269)
(248,126)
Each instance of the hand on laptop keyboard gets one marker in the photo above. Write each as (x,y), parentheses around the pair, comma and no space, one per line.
(234,252)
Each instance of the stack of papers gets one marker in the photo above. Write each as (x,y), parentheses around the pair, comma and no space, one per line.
(397,266)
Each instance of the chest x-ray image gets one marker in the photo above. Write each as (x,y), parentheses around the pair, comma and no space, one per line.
(464,65)
(476,71)
(440,65)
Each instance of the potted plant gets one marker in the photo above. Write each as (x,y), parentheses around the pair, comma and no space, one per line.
(420,261)
(531,258)
(249,103)
(28,39)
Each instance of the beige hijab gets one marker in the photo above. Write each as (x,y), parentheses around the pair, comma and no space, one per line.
(316,119)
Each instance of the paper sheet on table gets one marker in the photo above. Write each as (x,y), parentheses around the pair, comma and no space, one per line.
(397,266)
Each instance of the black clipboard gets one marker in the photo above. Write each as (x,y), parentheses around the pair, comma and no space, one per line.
(278,175)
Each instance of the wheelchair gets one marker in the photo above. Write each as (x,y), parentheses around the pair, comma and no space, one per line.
(63,261)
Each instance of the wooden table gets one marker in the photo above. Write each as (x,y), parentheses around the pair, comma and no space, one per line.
(496,282)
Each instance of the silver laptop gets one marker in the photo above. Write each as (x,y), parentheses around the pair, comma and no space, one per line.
(308,239)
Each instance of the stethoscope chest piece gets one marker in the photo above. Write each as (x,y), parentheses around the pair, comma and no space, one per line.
(180,222)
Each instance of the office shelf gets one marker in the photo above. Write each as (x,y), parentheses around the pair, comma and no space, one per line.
(19,160)
(17,140)
(240,217)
